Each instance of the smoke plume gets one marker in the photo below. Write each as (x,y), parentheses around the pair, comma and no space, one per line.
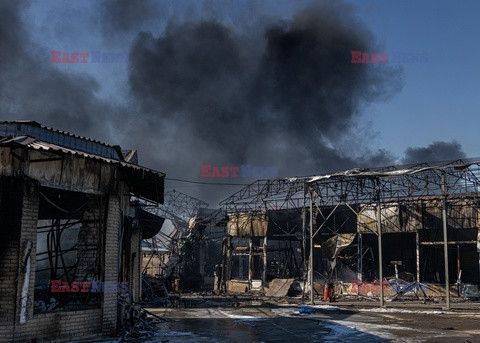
(437,151)
(278,92)
(282,96)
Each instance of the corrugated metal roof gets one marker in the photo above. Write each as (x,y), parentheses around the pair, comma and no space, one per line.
(144,182)
(36,124)
(60,138)
(36,144)
(392,171)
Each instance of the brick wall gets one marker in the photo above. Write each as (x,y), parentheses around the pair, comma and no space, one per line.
(111,263)
(46,326)
(19,204)
(136,266)
(61,326)
(88,240)
(10,214)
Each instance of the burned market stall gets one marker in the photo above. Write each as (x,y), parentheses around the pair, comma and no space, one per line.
(70,248)
(416,223)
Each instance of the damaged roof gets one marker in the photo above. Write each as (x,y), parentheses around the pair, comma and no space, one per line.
(393,170)
(62,138)
(143,182)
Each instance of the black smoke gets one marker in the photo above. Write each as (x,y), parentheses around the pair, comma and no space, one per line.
(31,88)
(284,95)
(121,17)
(437,151)
(273,92)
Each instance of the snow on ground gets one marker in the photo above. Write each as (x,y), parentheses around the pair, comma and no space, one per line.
(346,330)
(240,317)
(342,332)
(399,310)
(293,309)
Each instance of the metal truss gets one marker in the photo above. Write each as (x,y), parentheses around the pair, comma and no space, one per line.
(453,180)
(178,207)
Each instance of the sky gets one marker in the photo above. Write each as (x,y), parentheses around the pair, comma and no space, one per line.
(265,83)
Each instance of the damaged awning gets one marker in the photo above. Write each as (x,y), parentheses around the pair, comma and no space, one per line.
(143,182)
(149,223)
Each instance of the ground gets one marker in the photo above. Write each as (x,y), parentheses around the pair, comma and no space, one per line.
(235,319)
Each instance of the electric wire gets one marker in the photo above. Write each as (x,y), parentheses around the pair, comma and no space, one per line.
(208,183)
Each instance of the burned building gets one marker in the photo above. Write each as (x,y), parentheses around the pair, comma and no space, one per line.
(70,246)
(189,253)
(417,223)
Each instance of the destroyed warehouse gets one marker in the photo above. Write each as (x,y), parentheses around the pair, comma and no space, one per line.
(416,224)
(70,254)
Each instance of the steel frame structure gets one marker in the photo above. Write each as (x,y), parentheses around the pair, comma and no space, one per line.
(361,186)
(178,207)
(440,181)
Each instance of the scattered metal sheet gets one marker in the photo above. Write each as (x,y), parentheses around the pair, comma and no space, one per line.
(279,287)
(334,245)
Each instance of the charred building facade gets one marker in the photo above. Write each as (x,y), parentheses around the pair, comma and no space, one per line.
(70,248)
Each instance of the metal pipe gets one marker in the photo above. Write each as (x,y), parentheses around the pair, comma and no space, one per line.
(445,243)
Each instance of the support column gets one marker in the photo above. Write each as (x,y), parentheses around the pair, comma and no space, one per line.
(478,250)
(304,240)
(311,249)
(417,254)
(459,266)
(359,257)
(264,274)
(380,255)
(250,272)
(445,243)
(201,258)
(240,266)
(227,263)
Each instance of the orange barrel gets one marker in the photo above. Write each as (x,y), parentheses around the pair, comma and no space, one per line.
(326,293)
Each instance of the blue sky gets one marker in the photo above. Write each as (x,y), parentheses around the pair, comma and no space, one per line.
(440,99)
